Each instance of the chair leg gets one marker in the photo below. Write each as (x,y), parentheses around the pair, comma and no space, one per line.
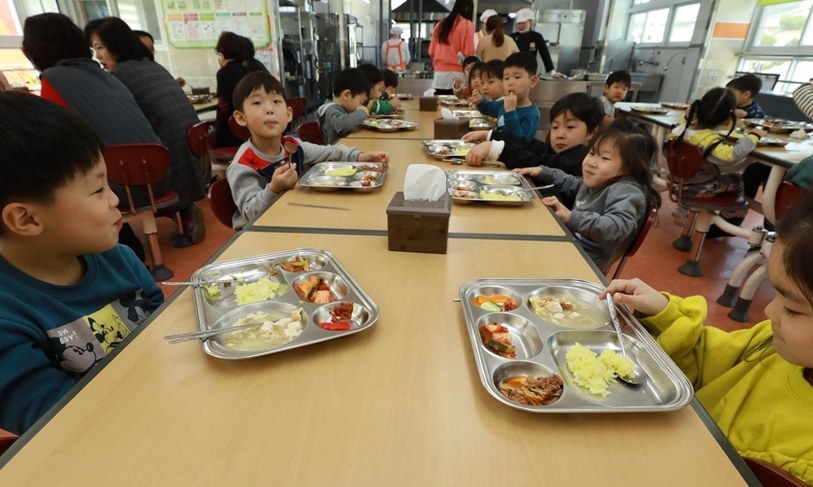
(684,242)
(740,310)
(159,271)
(180,239)
(729,296)
(692,266)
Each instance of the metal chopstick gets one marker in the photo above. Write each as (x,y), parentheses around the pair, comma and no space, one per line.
(183,337)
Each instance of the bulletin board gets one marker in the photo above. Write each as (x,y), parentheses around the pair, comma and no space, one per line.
(198,23)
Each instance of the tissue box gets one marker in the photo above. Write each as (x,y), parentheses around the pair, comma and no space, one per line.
(428,103)
(451,129)
(418,226)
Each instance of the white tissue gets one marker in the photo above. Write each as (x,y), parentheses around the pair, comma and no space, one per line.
(447,114)
(798,134)
(424,182)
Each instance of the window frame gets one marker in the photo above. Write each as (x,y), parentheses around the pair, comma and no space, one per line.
(670,21)
(751,51)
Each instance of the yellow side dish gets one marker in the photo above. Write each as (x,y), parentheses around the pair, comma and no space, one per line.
(259,290)
(593,372)
(341,171)
(499,197)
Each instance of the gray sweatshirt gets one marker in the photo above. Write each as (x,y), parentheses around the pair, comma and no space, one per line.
(336,122)
(249,187)
(604,220)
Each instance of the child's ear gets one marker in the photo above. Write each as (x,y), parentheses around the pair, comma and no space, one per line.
(290,114)
(534,80)
(346,95)
(20,218)
(240,118)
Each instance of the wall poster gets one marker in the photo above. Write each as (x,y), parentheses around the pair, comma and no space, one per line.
(198,23)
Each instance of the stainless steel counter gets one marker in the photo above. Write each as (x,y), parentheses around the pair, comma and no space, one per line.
(548,92)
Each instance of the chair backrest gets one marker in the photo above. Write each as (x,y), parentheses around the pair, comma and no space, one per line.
(238,130)
(769,475)
(651,217)
(7,438)
(298,107)
(222,202)
(137,165)
(197,138)
(311,132)
(684,160)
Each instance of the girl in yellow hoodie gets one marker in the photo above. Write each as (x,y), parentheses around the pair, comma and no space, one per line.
(756,383)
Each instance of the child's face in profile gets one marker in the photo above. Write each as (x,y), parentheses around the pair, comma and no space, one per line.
(351,102)
(567,131)
(265,114)
(602,164)
(492,87)
(616,91)
(467,69)
(391,89)
(518,81)
(743,97)
(83,216)
(376,90)
(790,313)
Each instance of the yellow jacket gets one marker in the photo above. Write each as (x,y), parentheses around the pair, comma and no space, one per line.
(762,403)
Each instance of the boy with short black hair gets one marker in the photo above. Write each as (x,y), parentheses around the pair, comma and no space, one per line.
(490,82)
(70,294)
(515,113)
(746,88)
(390,82)
(376,104)
(268,164)
(616,87)
(341,116)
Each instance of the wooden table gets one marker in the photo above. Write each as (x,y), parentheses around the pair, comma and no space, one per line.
(398,404)
(425,121)
(367,211)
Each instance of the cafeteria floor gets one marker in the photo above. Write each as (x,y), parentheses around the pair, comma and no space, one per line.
(656,262)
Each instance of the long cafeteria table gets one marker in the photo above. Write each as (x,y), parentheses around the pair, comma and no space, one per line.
(367,211)
(780,158)
(397,404)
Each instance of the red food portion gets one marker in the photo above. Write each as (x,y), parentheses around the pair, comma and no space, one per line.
(340,318)
(336,325)
(498,339)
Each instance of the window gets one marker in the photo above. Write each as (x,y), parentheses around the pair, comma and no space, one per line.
(784,25)
(659,22)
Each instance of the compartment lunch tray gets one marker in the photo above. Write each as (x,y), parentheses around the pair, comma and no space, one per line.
(388,124)
(445,148)
(217,307)
(361,177)
(541,345)
(501,188)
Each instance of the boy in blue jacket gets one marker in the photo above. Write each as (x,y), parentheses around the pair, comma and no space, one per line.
(69,294)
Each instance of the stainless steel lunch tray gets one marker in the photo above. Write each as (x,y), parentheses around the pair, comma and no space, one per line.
(654,109)
(388,125)
(468,114)
(471,186)
(541,346)
(212,312)
(452,101)
(444,148)
(480,124)
(319,177)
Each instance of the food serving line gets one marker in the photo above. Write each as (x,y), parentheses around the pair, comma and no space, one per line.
(402,402)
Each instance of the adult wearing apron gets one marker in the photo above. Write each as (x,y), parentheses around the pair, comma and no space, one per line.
(394,52)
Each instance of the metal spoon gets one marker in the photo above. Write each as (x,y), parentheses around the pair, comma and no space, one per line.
(638,376)
(460,162)
(205,335)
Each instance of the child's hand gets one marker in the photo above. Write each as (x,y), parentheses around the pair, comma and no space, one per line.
(561,210)
(740,113)
(478,154)
(382,157)
(475,98)
(531,172)
(457,83)
(395,103)
(475,136)
(636,294)
(510,101)
(284,178)
(365,109)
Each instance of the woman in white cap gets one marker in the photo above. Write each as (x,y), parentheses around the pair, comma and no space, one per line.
(530,40)
(394,51)
(483,19)
(452,40)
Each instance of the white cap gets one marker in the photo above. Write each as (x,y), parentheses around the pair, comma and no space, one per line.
(524,15)
(488,13)
(396,30)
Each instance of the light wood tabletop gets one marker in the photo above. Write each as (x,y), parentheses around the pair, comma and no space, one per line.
(412,113)
(397,404)
(367,211)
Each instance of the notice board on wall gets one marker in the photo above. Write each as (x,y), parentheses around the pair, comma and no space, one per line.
(198,23)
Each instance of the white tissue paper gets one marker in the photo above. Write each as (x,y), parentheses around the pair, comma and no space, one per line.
(798,134)
(447,114)
(424,182)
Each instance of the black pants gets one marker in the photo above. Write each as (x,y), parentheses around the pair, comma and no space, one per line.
(444,92)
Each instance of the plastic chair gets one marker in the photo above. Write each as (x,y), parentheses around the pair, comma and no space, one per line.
(7,438)
(311,132)
(142,165)
(298,107)
(769,475)
(746,278)
(651,217)
(224,155)
(222,202)
(684,160)
(197,137)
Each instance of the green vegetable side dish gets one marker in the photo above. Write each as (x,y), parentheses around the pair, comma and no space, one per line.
(212,291)
(260,290)
(499,197)
(490,306)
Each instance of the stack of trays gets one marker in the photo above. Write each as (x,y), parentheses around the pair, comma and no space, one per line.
(541,342)
(361,177)
(333,304)
(496,188)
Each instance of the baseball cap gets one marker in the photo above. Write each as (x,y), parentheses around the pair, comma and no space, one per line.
(396,30)
(524,15)
(488,13)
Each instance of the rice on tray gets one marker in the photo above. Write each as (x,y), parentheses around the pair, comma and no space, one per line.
(595,372)
(259,290)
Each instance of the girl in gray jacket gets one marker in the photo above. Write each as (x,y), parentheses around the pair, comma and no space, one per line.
(614,194)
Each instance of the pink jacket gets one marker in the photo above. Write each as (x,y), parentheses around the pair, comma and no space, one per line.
(461,39)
